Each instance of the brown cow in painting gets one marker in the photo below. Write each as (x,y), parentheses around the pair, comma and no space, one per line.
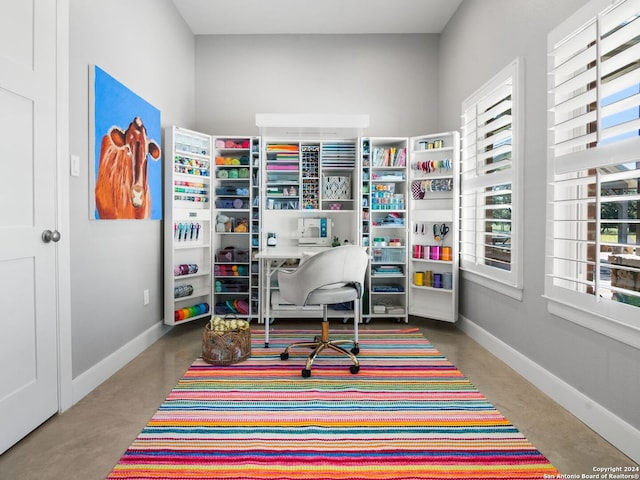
(121,187)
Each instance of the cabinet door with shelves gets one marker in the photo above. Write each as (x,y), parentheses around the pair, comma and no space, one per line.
(187,226)
(434,185)
(384,225)
(232,236)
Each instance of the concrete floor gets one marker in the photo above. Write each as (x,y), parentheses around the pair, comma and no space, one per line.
(85,442)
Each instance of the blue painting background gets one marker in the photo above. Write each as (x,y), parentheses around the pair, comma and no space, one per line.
(116,105)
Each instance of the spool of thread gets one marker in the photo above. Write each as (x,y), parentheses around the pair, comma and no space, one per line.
(426,252)
(447,280)
(417,251)
(182,291)
(446,254)
(435,252)
(185,269)
(418,278)
(437,280)
(428,278)
(192,311)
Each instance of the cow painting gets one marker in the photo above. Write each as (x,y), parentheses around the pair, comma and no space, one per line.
(122,190)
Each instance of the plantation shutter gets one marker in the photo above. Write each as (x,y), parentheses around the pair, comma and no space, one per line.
(594,120)
(487,226)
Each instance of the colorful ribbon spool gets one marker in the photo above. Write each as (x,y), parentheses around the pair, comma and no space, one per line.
(428,278)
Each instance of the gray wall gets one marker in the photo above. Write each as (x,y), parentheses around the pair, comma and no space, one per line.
(393,78)
(476,44)
(147,46)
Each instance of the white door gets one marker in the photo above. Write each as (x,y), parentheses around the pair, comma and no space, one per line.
(28,318)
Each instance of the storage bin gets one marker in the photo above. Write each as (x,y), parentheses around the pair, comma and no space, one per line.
(393,255)
(224,203)
(226,254)
(242,255)
(337,188)
(226,190)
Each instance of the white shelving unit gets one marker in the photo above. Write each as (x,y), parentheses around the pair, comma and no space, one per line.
(397,196)
(383,221)
(187,231)
(434,220)
(232,238)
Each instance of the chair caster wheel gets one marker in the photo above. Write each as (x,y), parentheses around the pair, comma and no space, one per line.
(355,350)
(354,369)
(306,373)
(284,356)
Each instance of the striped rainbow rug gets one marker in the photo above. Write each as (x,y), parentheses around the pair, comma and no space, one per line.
(408,414)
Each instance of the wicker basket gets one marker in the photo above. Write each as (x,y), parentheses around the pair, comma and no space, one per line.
(225,348)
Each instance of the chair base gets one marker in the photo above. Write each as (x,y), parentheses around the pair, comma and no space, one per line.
(321,343)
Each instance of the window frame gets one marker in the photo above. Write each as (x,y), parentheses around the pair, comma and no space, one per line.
(509,282)
(605,316)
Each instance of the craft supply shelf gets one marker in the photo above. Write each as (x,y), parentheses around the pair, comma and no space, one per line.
(396,196)
(187,226)
(211,179)
(383,221)
(434,219)
(236,224)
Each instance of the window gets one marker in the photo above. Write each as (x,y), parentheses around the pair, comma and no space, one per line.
(490,246)
(593,250)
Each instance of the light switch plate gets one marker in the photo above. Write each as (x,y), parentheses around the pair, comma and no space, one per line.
(75,166)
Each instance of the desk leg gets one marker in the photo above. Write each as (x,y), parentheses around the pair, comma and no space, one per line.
(267,301)
(357,318)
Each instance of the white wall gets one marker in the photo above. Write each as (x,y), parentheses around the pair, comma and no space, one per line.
(147,46)
(476,44)
(393,78)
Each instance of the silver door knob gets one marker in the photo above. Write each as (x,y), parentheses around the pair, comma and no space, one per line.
(49,236)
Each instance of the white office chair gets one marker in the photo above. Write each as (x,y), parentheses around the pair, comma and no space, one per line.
(332,276)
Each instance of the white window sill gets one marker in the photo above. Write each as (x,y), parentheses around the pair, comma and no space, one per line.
(610,327)
(502,288)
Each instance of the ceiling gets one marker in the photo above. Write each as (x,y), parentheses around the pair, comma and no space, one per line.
(223,17)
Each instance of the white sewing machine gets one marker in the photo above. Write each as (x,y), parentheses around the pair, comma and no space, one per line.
(314,231)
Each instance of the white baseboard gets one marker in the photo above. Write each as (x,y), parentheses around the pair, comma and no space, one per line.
(616,431)
(84,383)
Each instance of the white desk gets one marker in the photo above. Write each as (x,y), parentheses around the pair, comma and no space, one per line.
(272,260)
